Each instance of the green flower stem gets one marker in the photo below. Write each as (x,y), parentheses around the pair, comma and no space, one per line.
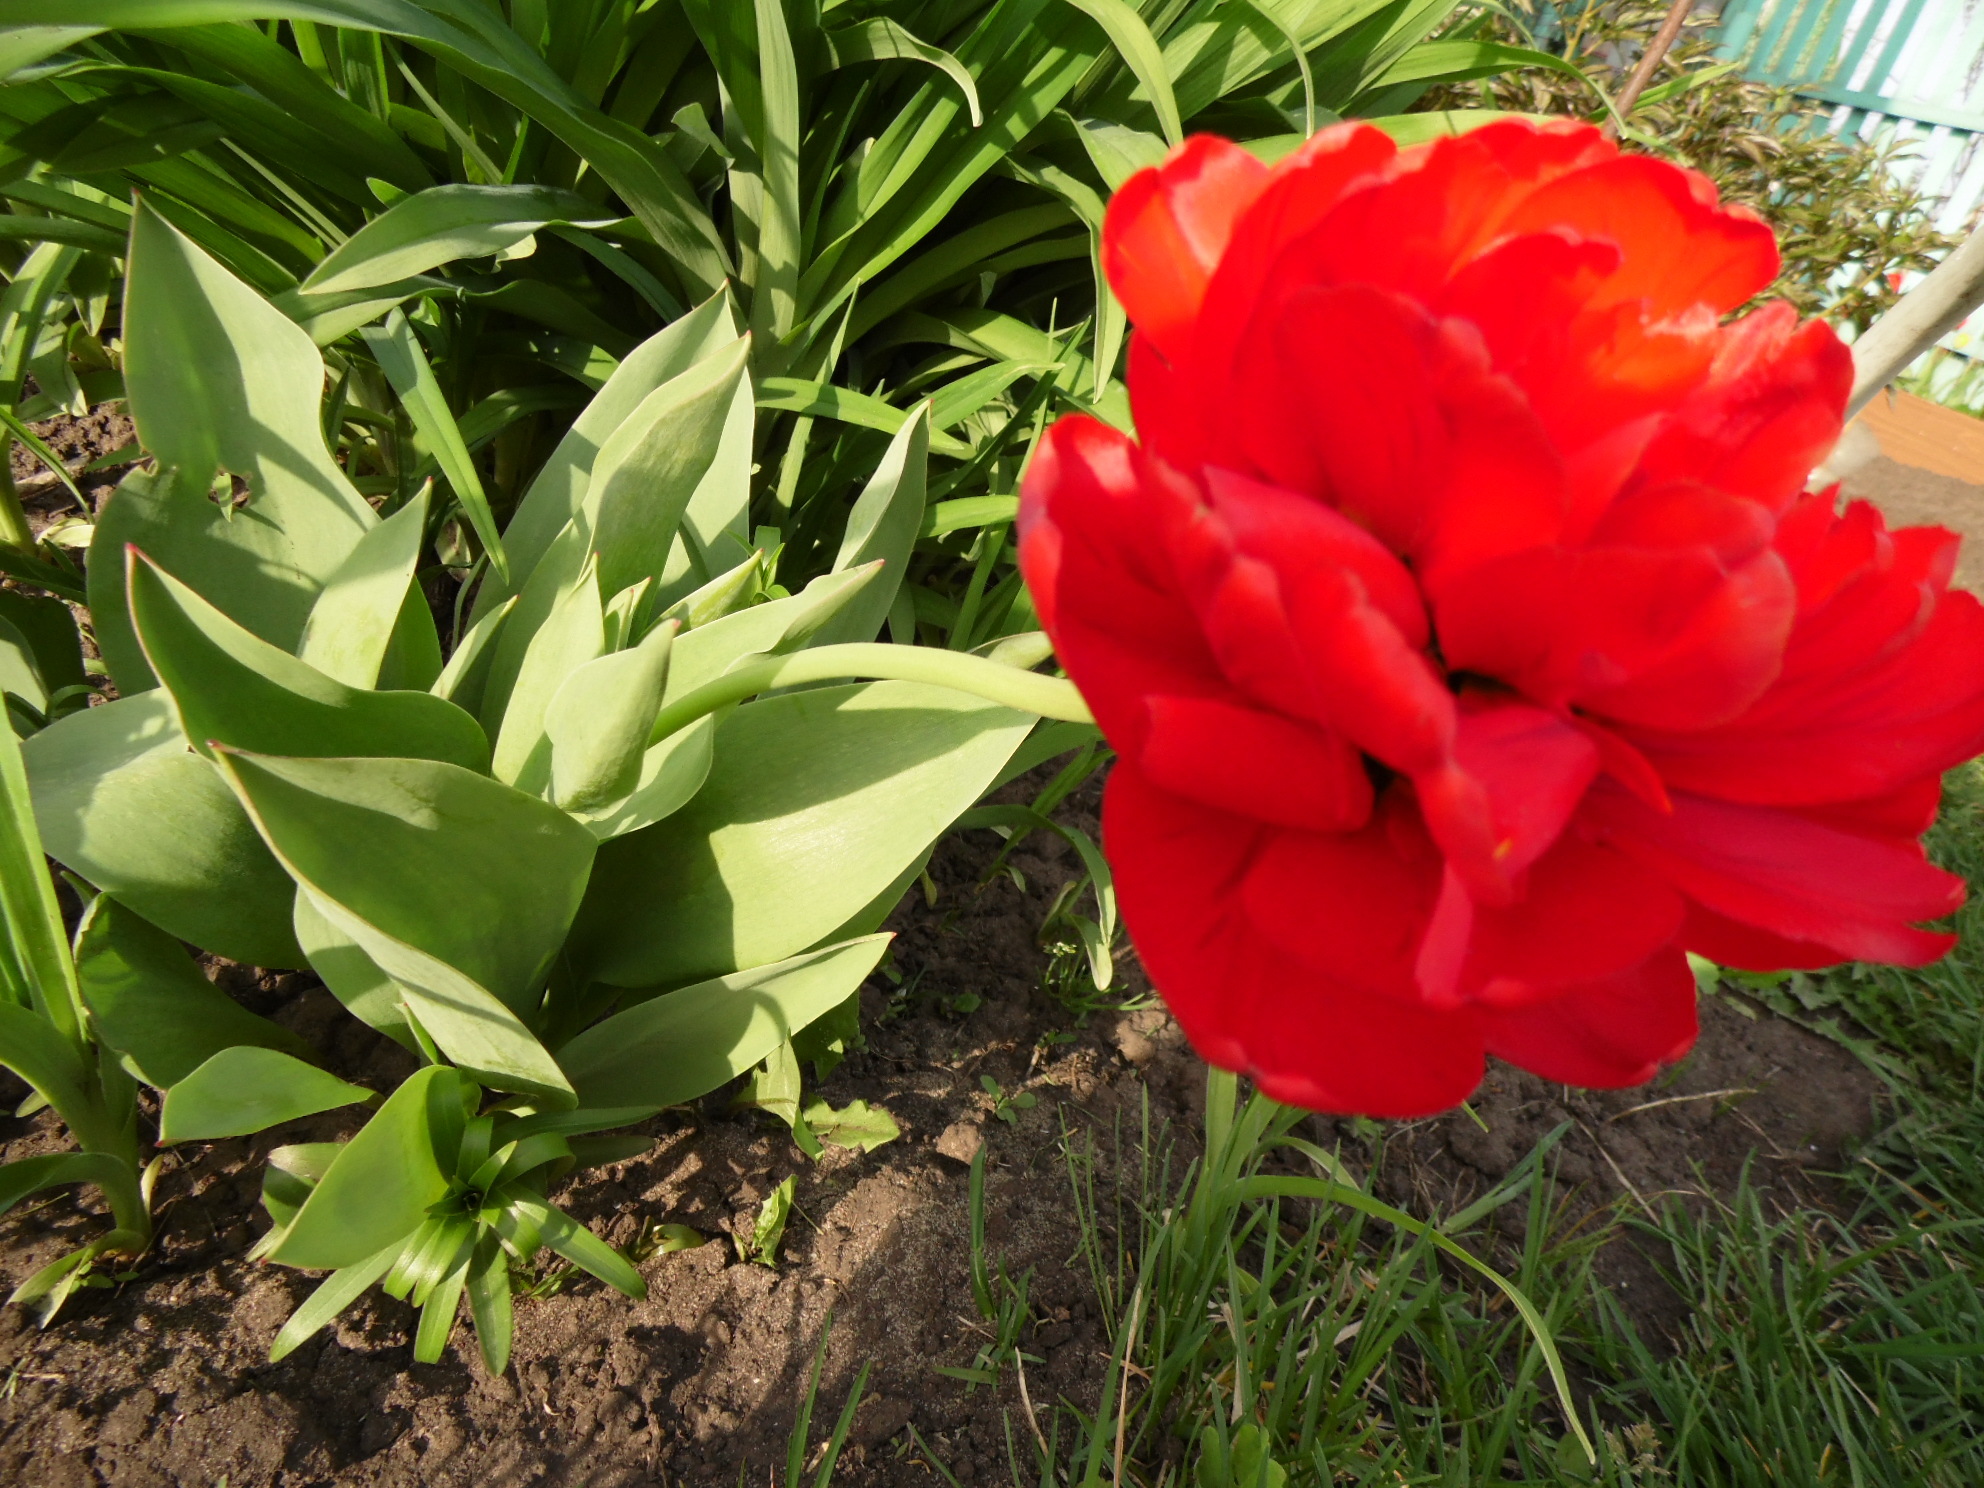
(1050,697)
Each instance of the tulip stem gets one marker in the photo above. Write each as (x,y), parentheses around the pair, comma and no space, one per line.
(1029,692)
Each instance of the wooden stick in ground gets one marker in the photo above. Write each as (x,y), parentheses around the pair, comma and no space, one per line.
(1918,320)
(1663,40)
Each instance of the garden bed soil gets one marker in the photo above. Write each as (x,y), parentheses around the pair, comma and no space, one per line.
(164,1378)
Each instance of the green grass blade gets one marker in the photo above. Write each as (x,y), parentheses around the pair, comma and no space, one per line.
(405,364)
(1142,55)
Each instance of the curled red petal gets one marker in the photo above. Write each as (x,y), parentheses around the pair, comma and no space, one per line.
(1166,230)
(1094,512)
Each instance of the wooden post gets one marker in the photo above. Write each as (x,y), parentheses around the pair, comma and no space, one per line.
(1917,321)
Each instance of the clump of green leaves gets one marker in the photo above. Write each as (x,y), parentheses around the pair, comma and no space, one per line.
(1847,224)
(567,857)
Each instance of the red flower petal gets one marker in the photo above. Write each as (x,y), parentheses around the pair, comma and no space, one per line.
(1586,913)
(1612,1032)
(1682,250)
(1254,763)
(1167,228)
(1771,408)
(1093,515)
(1516,776)
(1245,1003)
(1787,874)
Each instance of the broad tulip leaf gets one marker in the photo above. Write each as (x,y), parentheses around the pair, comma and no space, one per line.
(121,799)
(440,225)
(674,1048)
(559,489)
(671,773)
(219,380)
(458,887)
(20,677)
(151,1003)
(598,722)
(49,630)
(817,802)
(32,1175)
(573,633)
(36,970)
(351,625)
(247,1089)
(379,1188)
(31,1047)
(707,652)
(883,528)
(716,524)
(234,689)
(462,680)
(650,467)
(353,977)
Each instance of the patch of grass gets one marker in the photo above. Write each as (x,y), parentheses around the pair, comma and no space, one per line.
(1272,1328)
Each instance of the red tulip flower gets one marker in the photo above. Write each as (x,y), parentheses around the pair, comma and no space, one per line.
(1471,645)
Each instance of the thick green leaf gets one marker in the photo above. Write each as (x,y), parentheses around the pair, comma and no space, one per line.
(442,224)
(49,628)
(559,489)
(786,624)
(352,623)
(598,721)
(150,1002)
(246,1089)
(121,800)
(650,467)
(220,381)
(817,801)
(462,680)
(882,528)
(490,1304)
(575,1243)
(35,969)
(671,773)
(32,1048)
(289,1175)
(572,634)
(457,886)
(232,688)
(31,1175)
(353,977)
(675,1048)
(378,1190)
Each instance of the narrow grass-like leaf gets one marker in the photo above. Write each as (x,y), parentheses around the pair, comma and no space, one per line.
(405,364)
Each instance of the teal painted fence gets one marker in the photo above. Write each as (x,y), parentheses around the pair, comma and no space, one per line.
(1907,70)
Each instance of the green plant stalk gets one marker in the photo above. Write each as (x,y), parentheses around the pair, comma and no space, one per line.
(14,529)
(1050,697)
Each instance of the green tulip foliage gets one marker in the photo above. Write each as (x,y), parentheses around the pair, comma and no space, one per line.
(627,838)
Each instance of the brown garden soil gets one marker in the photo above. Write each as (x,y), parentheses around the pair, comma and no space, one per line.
(165,1378)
